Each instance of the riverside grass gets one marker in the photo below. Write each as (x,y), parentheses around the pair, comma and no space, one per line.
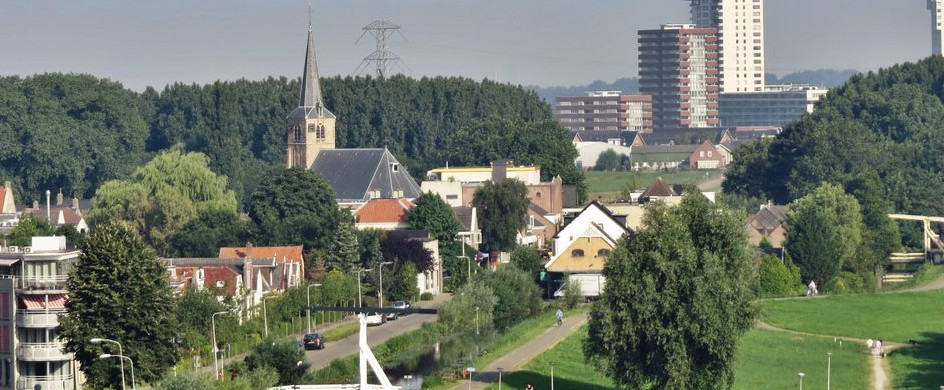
(614,182)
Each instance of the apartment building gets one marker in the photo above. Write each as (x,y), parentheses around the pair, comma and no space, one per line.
(32,297)
(776,106)
(605,110)
(937,26)
(678,67)
(740,25)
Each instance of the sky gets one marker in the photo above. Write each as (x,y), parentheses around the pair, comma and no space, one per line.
(528,42)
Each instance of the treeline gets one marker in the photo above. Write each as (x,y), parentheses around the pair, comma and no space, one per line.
(76,131)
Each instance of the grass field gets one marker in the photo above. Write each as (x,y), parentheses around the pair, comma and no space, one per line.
(608,184)
(771,360)
(341,332)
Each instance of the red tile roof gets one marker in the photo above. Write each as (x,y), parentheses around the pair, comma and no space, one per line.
(383,210)
(70,216)
(288,254)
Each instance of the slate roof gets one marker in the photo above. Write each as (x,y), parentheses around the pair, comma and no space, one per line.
(769,217)
(463,214)
(659,149)
(383,210)
(354,173)
(310,102)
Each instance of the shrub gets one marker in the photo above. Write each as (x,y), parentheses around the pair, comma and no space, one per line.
(281,356)
(847,282)
(572,294)
(426,296)
(518,296)
(778,278)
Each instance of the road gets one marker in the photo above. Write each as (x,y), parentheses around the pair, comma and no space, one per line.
(375,335)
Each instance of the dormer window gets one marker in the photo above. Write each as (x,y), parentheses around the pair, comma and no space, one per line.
(603,253)
(576,253)
(394,167)
(220,284)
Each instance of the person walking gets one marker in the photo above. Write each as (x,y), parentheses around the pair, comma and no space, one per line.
(529,387)
(811,289)
(560,317)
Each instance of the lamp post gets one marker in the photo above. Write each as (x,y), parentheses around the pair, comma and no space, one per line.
(216,349)
(265,316)
(121,359)
(360,302)
(499,377)
(552,375)
(98,340)
(801,379)
(308,309)
(829,358)
(476,320)
(381,291)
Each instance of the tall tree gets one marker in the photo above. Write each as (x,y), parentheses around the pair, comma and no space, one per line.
(205,234)
(28,227)
(295,206)
(503,209)
(880,236)
(119,290)
(162,196)
(677,298)
(527,259)
(345,253)
(518,296)
(432,214)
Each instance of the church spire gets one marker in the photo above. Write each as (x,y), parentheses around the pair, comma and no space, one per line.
(310,101)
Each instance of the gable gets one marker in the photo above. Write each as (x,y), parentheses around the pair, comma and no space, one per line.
(357,173)
(587,254)
(593,221)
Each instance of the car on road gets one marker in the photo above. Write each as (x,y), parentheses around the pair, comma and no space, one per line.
(375,319)
(313,341)
(398,305)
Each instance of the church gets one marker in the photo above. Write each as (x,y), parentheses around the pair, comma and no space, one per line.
(357,175)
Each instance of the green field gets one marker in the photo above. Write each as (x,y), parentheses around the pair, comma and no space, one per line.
(771,360)
(602,183)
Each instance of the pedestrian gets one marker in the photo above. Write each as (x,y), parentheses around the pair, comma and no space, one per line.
(560,317)
(529,387)
(811,289)
(879,348)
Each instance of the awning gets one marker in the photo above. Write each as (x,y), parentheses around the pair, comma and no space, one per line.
(42,302)
(8,262)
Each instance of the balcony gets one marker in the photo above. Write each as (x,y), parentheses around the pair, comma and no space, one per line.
(54,283)
(38,318)
(58,382)
(39,352)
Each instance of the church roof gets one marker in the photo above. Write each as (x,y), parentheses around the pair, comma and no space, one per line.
(310,102)
(356,173)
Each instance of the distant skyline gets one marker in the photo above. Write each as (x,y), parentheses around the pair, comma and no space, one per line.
(541,42)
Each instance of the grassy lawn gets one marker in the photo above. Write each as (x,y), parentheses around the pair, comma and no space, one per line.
(896,317)
(926,274)
(340,332)
(614,182)
(920,367)
(771,360)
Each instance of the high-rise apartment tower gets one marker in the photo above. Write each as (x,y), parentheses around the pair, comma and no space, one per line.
(740,25)
(937,30)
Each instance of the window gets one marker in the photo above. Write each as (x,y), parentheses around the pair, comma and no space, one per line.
(395,167)
(321,132)
(220,283)
(576,253)
(709,153)
(538,195)
(298,136)
(701,153)
(603,253)
(452,197)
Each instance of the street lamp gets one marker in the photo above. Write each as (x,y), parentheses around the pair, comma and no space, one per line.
(476,320)
(499,377)
(829,358)
(801,380)
(216,349)
(552,375)
(308,309)
(265,316)
(99,340)
(121,358)
(360,302)
(381,291)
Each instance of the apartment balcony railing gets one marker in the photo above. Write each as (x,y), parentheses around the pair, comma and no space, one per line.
(57,282)
(38,318)
(55,382)
(37,352)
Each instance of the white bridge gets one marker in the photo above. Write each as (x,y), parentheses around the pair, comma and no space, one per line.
(903,264)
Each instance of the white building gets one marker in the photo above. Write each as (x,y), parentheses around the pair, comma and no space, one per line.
(525,174)
(740,25)
(776,106)
(589,152)
(937,30)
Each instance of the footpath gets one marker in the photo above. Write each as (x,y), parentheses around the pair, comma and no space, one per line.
(517,358)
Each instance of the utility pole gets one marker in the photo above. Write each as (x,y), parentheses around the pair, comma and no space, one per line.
(381,58)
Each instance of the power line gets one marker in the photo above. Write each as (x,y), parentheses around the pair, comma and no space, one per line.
(381,58)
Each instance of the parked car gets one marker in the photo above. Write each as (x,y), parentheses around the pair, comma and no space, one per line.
(375,319)
(313,341)
(398,305)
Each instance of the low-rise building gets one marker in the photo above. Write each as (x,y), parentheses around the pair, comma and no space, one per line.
(580,250)
(589,152)
(767,225)
(383,214)
(777,105)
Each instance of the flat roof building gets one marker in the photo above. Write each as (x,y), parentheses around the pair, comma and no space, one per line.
(605,111)
(777,106)
(937,26)
(678,67)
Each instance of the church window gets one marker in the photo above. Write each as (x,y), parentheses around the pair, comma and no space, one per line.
(311,128)
(299,137)
(321,132)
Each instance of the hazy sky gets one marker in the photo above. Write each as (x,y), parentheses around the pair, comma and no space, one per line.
(545,42)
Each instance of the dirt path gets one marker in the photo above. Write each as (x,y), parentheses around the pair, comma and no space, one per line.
(711,184)
(523,354)
(937,284)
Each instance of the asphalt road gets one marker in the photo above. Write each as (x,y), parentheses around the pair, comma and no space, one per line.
(336,349)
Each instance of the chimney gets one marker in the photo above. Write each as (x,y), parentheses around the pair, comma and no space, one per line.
(8,185)
(75,204)
(247,267)
(59,198)
(48,216)
(35,205)
(499,171)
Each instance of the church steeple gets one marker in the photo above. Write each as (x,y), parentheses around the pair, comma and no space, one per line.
(310,125)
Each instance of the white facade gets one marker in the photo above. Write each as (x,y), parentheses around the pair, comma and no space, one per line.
(527,175)
(450,191)
(937,26)
(740,26)
(589,152)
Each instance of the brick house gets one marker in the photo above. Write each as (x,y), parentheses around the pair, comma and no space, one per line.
(706,156)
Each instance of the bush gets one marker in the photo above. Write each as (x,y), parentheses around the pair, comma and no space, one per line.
(282,356)
(847,282)
(572,294)
(458,313)
(426,296)
(527,259)
(778,278)
(518,296)
(186,382)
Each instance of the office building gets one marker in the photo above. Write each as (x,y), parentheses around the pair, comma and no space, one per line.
(605,110)
(678,67)
(937,30)
(740,25)
(777,106)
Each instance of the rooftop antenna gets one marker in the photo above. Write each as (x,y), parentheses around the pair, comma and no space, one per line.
(382,58)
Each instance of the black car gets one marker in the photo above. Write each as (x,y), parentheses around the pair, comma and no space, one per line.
(313,341)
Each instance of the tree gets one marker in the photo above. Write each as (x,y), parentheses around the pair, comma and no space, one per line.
(880,236)
(778,278)
(528,260)
(518,296)
(345,254)
(503,209)
(459,313)
(205,234)
(162,196)
(432,214)
(194,308)
(403,286)
(283,356)
(119,290)
(370,243)
(609,160)
(824,233)
(29,226)
(400,249)
(292,207)
(677,298)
